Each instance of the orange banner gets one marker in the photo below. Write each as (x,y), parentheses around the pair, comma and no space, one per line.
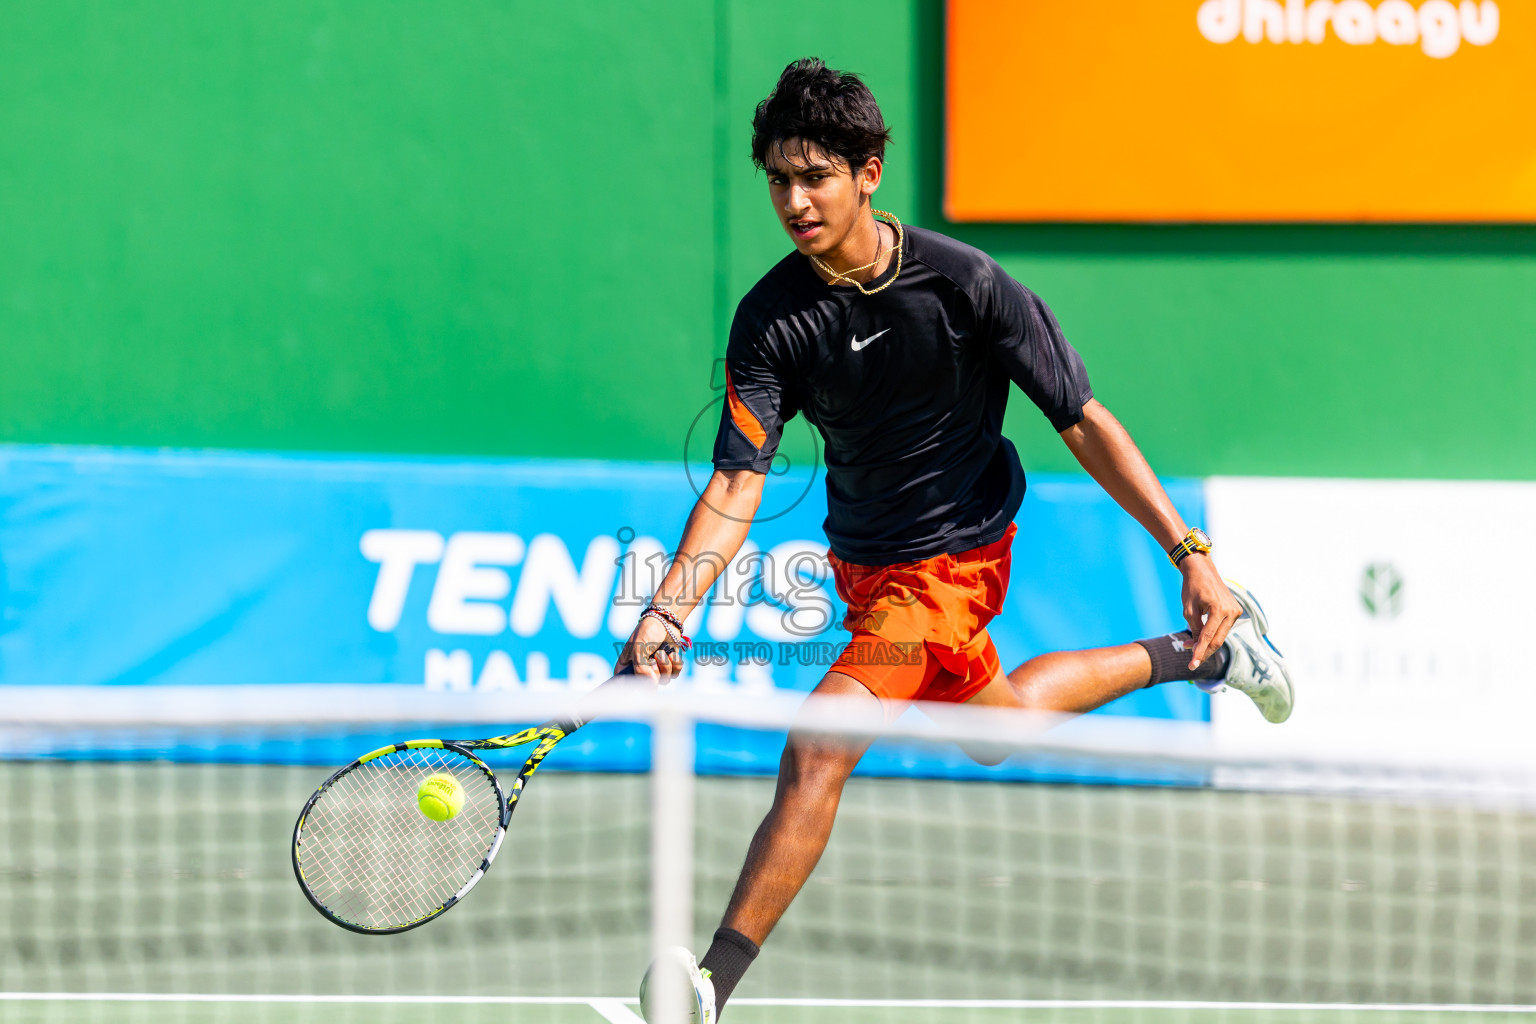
(1241,110)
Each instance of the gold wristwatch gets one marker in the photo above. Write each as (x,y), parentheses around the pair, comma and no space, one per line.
(1194,542)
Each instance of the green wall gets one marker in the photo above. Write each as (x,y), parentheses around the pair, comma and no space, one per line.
(516,228)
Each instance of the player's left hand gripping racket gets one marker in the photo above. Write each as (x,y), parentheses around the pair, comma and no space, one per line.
(372,862)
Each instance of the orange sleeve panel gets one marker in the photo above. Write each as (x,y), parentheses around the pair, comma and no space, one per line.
(743,417)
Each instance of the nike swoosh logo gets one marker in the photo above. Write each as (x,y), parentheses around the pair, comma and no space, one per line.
(859,346)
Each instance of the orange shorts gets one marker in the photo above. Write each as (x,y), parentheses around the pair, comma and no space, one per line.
(920,628)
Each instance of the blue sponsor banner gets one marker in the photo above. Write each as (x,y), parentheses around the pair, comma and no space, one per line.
(126,567)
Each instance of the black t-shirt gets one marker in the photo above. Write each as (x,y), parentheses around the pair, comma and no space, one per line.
(907,388)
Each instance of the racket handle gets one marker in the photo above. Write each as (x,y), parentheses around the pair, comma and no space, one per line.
(571,724)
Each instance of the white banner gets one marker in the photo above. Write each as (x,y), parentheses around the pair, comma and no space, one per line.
(1405,608)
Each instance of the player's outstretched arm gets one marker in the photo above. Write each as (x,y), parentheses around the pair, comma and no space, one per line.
(1104,448)
(715,530)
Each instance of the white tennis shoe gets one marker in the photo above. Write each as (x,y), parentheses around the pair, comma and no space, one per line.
(678,974)
(1255,666)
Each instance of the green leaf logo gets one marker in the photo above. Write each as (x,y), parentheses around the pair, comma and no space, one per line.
(1381,590)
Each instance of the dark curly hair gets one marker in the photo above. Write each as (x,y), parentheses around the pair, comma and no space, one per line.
(817,104)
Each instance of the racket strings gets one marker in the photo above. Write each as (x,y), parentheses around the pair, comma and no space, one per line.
(392,865)
(372,858)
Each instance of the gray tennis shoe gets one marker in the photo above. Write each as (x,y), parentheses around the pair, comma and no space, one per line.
(687,988)
(1255,666)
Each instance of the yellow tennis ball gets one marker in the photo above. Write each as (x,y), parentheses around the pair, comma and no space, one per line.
(440,797)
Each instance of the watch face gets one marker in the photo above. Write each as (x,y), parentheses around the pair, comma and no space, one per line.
(1202,541)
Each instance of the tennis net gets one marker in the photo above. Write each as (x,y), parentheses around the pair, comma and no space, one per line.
(144,848)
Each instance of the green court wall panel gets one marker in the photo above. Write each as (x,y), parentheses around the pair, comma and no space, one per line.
(520,229)
(1315,364)
(478,226)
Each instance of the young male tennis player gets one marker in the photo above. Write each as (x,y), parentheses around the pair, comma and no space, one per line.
(900,344)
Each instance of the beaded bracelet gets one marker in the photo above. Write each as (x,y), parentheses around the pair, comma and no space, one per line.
(680,640)
(667,617)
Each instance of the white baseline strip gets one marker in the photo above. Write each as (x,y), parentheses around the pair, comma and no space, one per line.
(242,997)
(1128,1004)
(609,1004)
(615,1012)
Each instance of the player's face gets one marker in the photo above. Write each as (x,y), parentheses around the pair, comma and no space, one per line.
(818,198)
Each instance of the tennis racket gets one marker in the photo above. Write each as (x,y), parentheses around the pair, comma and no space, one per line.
(371,861)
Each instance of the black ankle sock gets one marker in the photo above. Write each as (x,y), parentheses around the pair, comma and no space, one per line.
(1170,659)
(729,956)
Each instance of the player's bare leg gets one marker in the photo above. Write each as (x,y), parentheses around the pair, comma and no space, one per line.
(1064,683)
(1076,682)
(788,844)
(1070,682)
(790,841)
(794,834)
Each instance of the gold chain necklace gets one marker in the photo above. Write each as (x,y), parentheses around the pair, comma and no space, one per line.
(836,277)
